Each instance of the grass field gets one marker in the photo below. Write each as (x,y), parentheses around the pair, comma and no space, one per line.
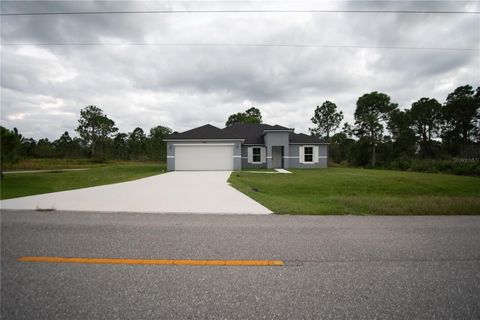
(15,185)
(361,192)
(53,164)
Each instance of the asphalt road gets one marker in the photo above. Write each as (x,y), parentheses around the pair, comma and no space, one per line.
(335,267)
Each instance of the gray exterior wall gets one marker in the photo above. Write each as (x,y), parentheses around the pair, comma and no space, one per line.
(170,156)
(237,152)
(245,164)
(294,157)
(240,160)
(274,139)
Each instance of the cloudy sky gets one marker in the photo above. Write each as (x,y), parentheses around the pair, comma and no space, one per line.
(184,70)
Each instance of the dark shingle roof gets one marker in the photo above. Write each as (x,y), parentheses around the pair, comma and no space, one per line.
(252,132)
(204,132)
(277,127)
(303,138)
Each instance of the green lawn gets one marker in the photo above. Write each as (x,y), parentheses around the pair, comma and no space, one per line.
(361,192)
(23,184)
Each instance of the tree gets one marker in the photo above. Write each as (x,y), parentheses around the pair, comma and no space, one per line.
(45,149)
(360,153)
(477,120)
(460,114)
(27,147)
(347,129)
(120,146)
(159,132)
(425,115)
(326,119)
(9,143)
(340,148)
(63,145)
(137,144)
(372,112)
(68,147)
(64,139)
(252,115)
(399,124)
(95,128)
(158,147)
(78,149)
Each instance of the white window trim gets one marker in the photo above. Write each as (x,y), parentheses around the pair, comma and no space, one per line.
(304,155)
(315,153)
(262,155)
(259,155)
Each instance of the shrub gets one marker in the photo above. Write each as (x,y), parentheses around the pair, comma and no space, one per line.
(451,166)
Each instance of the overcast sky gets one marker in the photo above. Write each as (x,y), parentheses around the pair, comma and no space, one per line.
(145,70)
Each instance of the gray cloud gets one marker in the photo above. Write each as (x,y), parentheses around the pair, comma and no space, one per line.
(44,87)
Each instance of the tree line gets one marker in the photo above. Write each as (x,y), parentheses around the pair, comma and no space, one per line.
(382,134)
(99,140)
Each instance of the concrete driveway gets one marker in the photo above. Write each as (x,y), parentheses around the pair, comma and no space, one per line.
(173,192)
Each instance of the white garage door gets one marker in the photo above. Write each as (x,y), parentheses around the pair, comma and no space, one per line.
(204,157)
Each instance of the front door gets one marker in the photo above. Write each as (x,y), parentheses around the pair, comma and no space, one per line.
(277,157)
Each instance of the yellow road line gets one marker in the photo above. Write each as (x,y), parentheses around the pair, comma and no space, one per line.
(186,262)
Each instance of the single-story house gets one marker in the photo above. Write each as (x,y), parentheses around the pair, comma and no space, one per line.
(244,146)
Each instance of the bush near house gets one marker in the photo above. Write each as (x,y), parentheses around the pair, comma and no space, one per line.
(466,167)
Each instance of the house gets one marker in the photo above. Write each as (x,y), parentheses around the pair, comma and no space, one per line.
(244,146)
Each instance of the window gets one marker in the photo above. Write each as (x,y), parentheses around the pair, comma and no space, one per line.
(256,155)
(308,154)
